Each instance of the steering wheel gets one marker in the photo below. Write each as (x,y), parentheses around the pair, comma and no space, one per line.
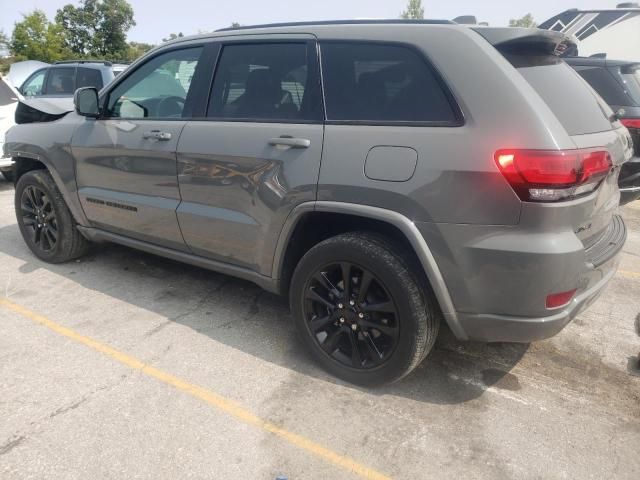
(171,106)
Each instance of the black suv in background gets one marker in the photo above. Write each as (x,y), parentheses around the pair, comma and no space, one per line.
(618,83)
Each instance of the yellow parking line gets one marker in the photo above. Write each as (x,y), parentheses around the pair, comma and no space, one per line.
(627,273)
(218,401)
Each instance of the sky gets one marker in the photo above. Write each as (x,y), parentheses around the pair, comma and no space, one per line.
(158,18)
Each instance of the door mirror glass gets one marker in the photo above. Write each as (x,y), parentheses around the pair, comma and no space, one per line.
(86,102)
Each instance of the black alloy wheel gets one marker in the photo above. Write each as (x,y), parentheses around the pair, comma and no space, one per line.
(351,315)
(39,218)
(45,222)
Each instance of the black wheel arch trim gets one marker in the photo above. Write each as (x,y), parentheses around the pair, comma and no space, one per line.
(402,223)
(70,198)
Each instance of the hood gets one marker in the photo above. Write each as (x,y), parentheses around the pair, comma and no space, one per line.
(20,71)
(50,105)
(40,109)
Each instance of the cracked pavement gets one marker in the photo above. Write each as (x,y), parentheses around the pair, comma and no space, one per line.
(568,407)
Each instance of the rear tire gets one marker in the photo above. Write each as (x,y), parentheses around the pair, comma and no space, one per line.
(369,338)
(45,222)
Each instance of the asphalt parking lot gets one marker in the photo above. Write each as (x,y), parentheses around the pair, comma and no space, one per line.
(125,365)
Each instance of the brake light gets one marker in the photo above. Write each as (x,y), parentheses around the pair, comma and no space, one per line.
(630,122)
(557,300)
(553,175)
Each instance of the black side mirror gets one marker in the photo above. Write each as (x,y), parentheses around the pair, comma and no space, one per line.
(86,102)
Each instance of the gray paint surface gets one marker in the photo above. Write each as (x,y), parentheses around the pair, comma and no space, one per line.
(218,193)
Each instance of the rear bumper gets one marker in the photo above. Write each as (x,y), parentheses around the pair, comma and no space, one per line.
(499,277)
(501,328)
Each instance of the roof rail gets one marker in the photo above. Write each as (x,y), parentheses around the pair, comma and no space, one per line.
(340,22)
(104,62)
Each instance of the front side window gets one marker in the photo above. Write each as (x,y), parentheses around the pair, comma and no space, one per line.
(89,77)
(382,83)
(271,81)
(157,89)
(34,85)
(61,81)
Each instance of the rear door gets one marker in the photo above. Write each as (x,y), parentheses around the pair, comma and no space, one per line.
(126,161)
(257,154)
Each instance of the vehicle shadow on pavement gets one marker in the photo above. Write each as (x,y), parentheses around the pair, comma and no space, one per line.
(4,185)
(243,316)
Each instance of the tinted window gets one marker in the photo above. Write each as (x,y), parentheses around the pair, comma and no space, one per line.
(373,82)
(631,80)
(158,88)
(271,81)
(568,96)
(34,85)
(61,81)
(605,84)
(89,77)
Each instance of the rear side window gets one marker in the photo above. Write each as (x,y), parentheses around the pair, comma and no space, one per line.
(604,83)
(631,79)
(371,82)
(270,81)
(61,81)
(570,98)
(89,77)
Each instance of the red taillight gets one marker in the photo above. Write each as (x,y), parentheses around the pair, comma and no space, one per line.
(631,122)
(557,300)
(552,175)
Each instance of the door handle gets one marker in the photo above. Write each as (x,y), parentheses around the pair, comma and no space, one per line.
(157,135)
(292,142)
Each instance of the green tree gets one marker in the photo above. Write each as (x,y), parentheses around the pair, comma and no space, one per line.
(35,38)
(235,25)
(4,40)
(414,10)
(133,51)
(527,22)
(97,28)
(173,36)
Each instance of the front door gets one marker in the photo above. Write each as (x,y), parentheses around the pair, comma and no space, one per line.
(256,156)
(126,161)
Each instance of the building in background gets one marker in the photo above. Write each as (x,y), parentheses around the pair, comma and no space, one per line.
(613,32)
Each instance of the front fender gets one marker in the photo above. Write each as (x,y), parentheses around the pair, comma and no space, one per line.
(48,144)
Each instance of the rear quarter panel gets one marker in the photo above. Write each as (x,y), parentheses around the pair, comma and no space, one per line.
(456,179)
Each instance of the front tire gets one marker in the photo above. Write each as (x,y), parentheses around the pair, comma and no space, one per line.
(361,310)
(45,222)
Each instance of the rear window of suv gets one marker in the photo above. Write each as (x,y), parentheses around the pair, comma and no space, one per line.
(382,83)
(604,83)
(631,79)
(569,97)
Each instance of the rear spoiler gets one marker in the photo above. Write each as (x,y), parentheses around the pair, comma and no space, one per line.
(631,68)
(531,41)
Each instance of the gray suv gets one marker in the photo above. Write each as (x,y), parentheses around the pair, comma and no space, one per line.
(384,175)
